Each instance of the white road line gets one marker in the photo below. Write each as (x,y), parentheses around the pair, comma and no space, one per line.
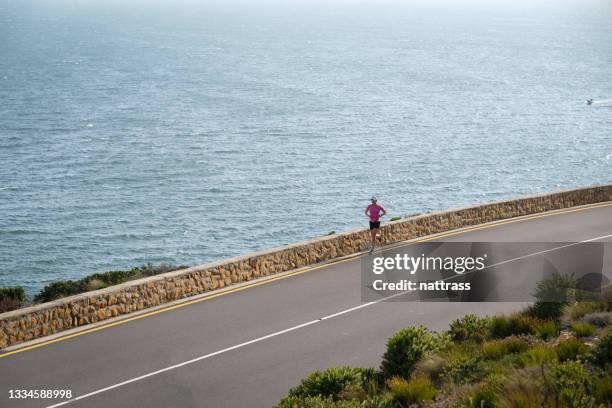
(529,255)
(225,350)
(547,250)
(524,257)
(278,333)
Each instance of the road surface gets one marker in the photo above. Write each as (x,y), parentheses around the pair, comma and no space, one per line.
(247,348)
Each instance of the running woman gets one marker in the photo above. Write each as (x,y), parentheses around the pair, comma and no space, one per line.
(374,211)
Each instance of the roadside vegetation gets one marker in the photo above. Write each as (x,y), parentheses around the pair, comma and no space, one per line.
(11,298)
(14,297)
(549,355)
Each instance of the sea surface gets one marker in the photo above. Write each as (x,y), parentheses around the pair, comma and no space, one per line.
(187,134)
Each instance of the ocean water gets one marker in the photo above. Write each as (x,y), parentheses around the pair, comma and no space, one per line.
(141,134)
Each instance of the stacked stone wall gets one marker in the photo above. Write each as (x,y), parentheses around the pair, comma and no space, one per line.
(48,318)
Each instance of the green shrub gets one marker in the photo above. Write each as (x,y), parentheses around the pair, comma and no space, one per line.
(513,325)
(372,383)
(537,355)
(395,218)
(606,297)
(547,310)
(558,288)
(377,402)
(414,391)
(60,289)
(482,396)
(547,329)
(583,329)
(94,284)
(306,402)
(470,327)
(328,402)
(494,350)
(464,371)
(515,345)
(602,352)
(152,270)
(431,367)
(9,304)
(571,349)
(407,347)
(12,293)
(500,326)
(56,290)
(11,298)
(460,351)
(458,363)
(603,391)
(570,384)
(330,382)
(522,389)
(578,310)
(113,277)
(599,319)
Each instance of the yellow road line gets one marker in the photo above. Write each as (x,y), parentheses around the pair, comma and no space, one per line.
(299,272)
(512,220)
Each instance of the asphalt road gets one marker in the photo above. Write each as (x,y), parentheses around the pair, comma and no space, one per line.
(246,349)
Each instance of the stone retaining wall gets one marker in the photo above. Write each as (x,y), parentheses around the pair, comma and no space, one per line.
(44,319)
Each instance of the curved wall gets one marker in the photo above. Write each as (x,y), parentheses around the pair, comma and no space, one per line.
(47,318)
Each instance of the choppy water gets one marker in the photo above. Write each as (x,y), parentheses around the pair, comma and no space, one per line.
(191,135)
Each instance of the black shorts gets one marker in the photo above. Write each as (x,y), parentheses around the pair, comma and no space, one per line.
(374,224)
